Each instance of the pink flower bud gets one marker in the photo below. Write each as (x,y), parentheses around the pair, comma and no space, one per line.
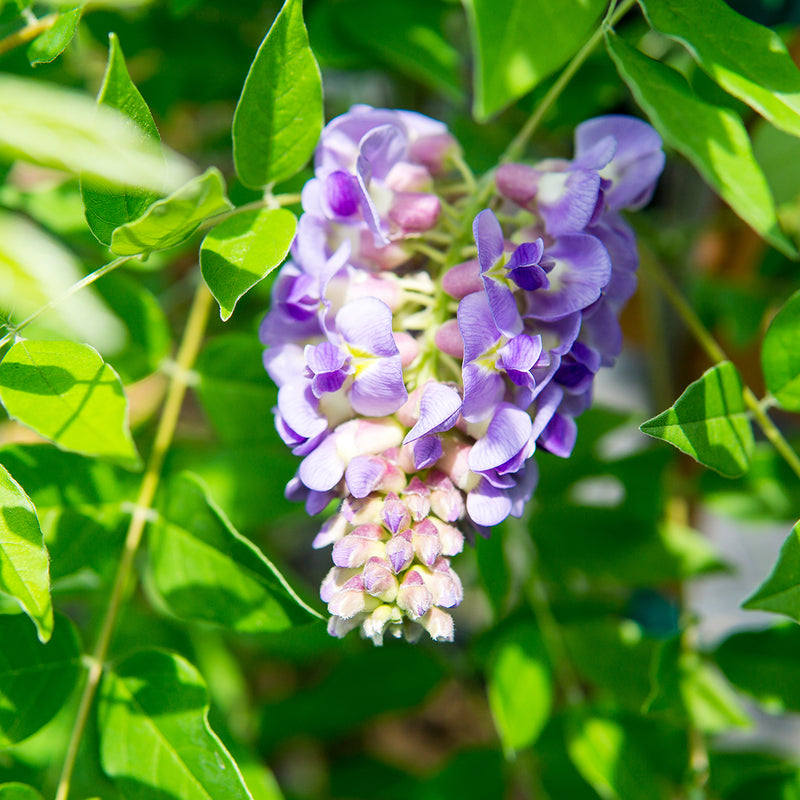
(447,502)
(451,538)
(408,347)
(448,339)
(416,499)
(339,627)
(407,177)
(415,212)
(334,581)
(395,515)
(389,257)
(414,597)
(349,602)
(400,551)
(375,624)
(425,539)
(354,550)
(379,580)
(433,150)
(439,625)
(517,182)
(359,512)
(444,584)
(463,279)
(455,464)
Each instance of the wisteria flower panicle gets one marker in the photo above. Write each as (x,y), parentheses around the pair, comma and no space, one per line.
(416,378)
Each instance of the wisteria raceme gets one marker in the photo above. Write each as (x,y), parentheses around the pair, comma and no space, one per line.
(418,375)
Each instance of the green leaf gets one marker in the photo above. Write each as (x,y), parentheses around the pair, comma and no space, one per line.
(65,392)
(205,570)
(716,142)
(18,791)
(279,116)
(520,687)
(155,739)
(239,252)
(709,422)
(24,565)
(780,355)
(106,210)
(60,128)
(235,390)
(35,679)
(780,592)
(610,761)
(49,45)
(517,43)
(173,220)
(746,59)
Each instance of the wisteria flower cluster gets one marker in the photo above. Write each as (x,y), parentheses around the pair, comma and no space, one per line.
(419,373)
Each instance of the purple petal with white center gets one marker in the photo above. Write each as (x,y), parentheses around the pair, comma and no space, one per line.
(519,356)
(503,305)
(489,239)
(427,451)
(322,469)
(363,474)
(546,405)
(366,324)
(582,270)
(300,409)
(559,436)
(567,201)
(378,388)
(439,408)
(487,505)
(284,363)
(508,433)
(381,148)
(524,269)
(476,324)
(483,390)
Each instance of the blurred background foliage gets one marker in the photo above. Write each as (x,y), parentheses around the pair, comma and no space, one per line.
(578,631)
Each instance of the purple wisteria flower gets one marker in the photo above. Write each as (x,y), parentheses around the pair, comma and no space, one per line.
(416,392)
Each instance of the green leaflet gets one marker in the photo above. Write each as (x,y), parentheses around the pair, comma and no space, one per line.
(61,128)
(205,570)
(780,355)
(520,687)
(746,59)
(780,592)
(713,138)
(154,734)
(279,116)
(18,791)
(709,423)
(171,221)
(65,392)
(106,210)
(24,572)
(517,43)
(35,679)
(49,45)
(239,252)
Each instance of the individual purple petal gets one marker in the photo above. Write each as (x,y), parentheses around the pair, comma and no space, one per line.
(476,324)
(582,269)
(363,474)
(519,356)
(341,194)
(483,390)
(524,267)
(323,468)
(567,201)
(284,363)
(329,367)
(503,306)
(300,409)
(559,436)
(366,324)
(380,149)
(547,404)
(378,388)
(507,434)
(602,331)
(489,239)
(439,408)
(487,505)
(427,451)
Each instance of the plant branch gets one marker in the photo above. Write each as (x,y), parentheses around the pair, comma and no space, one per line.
(28,33)
(187,352)
(76,287)
(717,354)
(517,145)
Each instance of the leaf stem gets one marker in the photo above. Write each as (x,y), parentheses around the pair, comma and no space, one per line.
(517,145)
(76,287)
(28,33)
(187,352)
(269,201)
(712,348)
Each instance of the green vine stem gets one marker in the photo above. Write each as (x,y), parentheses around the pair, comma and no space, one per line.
(187,353)
(656,272)
(28,33)
(76,287)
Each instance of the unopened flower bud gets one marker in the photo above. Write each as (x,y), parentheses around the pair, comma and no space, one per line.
(379,580)
(425,539)
(439,625)
(416,499)
(415,212)
(400,551)
(414,597)
(395,515)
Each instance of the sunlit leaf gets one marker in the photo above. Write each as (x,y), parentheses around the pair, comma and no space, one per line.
(239,252)
(155,739)
(18,791)
(780,355)
(107,209)
(61,128)
(279,115)
(709,422)
(49,45)
(205,570)
(780,592)
(517,43)
(65,392)
(520,687)
(171,221)
(24,572)
(746,59)
(35,679)
(716,142)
